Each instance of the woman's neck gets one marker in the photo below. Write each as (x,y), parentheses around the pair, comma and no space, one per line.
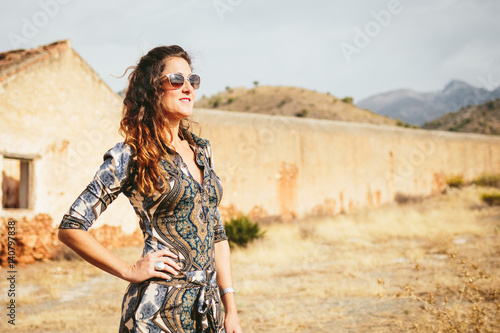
(176,139)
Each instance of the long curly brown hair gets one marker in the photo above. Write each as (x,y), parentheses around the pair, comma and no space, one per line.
(144,123)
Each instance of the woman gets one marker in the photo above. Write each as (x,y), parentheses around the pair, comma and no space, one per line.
(166,172)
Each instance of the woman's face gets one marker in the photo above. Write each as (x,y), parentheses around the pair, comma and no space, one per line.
(178,102)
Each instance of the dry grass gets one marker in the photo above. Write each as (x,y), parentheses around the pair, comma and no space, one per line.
(315,275)
(323,273)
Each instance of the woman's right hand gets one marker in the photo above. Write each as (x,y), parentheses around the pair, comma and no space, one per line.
(144,268)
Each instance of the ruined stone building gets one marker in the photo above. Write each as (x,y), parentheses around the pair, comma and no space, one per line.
(57,118)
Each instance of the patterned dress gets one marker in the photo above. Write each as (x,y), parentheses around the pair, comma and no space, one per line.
(185,219)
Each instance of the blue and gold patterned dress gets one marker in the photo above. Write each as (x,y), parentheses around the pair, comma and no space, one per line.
(185,219)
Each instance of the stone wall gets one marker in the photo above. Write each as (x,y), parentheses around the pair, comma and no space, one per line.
(279,166)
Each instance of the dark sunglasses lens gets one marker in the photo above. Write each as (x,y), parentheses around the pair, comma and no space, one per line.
(195,80)
(176,80)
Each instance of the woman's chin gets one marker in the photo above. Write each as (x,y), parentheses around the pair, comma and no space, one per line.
(180,113)
(187,112)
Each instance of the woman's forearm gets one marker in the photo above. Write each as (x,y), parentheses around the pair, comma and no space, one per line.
(224,274)
(94,252)
(225,280)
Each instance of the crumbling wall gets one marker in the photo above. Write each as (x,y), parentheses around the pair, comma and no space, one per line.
(35,239)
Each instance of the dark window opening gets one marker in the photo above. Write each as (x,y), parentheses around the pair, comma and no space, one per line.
(16,183)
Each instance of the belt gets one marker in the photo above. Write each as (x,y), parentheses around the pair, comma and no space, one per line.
(204,301)
(206,281)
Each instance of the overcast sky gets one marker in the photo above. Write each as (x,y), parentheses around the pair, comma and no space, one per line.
(355,48)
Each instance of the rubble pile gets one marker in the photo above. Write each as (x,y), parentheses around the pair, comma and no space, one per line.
(35,239)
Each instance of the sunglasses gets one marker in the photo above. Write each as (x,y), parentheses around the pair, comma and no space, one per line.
(176,80)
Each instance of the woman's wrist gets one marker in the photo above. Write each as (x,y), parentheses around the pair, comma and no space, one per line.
(229,302)
(231,314)
(230,311)
(126,273)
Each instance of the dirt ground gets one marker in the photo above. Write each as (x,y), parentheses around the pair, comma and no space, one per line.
(334,274)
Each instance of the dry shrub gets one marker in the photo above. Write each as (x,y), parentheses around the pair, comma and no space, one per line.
(455,181)
(469,302)
(402,198)
(492,199)
(490,180)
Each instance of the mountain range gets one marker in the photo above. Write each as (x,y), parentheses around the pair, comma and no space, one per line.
(417,108)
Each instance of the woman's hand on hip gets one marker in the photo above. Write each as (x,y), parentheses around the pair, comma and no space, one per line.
(144,268)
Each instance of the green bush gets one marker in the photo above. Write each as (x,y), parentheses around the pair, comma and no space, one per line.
(491,105)
(348,100)
(240,231)
(488,180)
(280,104)
(401,123)
(217,102)
(492,199)
(302,113)
(455,181)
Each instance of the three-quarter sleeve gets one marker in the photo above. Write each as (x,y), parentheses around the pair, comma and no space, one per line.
(220,232)
(102,190)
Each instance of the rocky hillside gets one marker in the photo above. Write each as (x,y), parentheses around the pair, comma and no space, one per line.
(420,107)
(291,101)
(483,118)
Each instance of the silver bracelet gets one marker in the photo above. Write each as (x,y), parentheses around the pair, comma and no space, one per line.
(226,290)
